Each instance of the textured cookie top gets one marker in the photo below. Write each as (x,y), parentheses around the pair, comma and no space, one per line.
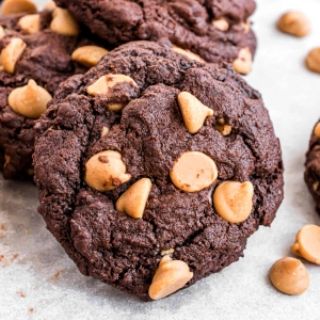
(36,56)
(215,30)
(149,155)
(312,171)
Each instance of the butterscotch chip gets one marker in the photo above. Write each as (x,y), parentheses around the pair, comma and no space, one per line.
(134,200)
(316,130)
(187,54)
(17,6)
(194,112)
(233,200)
(64,23)
(313,60)
(11,54)
(89,55)
(294,23)
(307,244)
(106,171)
(170,276)
(289,276)
(243,64)
(222,24)
(30,100)
(103,85)
(193,172)
(30,23)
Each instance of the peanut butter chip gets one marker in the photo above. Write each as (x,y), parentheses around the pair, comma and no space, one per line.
(105,83)
(50,6)
(170,276)
(89,55)
(234,200)
(289,276)
(17,6)
(246,26)
(115,106)
(294,23)
(134,200)
(64,23)
(317,130)
(194,112)
(11,54)
(187,54)
(106,171)
(222,24)
(193,171)
(313,60)
(243,64)
(30,101)
(307,243)
(104,131)
(30,23)
(2,32)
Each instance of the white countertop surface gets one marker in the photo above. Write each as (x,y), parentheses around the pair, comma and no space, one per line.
(38,281)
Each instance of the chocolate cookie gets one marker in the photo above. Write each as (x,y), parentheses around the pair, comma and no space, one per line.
(153,169)
(312,171)
(215,30)
(37,54)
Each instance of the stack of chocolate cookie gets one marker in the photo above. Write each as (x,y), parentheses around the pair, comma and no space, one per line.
(154,160)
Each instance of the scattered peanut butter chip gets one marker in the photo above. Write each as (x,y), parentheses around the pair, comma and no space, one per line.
(134,200)
(104,131)
(10,7)
(170,276)
(313,60)
(193,171)
(30,23)
(194,112)
(307,244)
(30,100)
(233,200)
(89,55)
(294,23)
(11,54)
(187,54)
(316,130)
(2,32)
(105,83)
(222,24)
(243,64)
(64,23)
(289,276)
(106,171)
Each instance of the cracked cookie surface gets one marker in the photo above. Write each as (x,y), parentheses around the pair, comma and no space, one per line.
(215,30)
(98,160)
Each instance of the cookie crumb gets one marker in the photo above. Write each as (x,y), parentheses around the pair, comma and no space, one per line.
(21,294)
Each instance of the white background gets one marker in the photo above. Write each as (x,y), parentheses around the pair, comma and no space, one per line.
(53,287)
